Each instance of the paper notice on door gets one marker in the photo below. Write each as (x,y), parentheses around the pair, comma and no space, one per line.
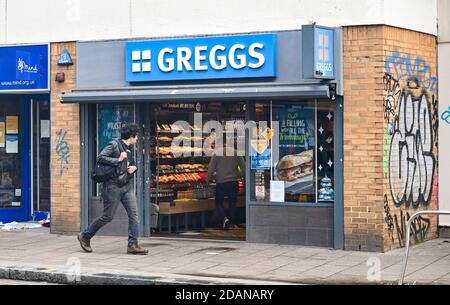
(12,144)
(260,192)
(15,204)
(12,124)
(277,191)
(18,192)
(45,129)
(2,134)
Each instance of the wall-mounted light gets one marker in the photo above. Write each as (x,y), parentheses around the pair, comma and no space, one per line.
(332,88)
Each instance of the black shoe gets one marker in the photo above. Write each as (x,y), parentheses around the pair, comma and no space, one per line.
(136,249)
(84,243)
(226,224)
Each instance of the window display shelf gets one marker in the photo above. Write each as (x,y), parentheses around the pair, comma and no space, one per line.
(183,185)
(174,172)
(186,157)
(184,175)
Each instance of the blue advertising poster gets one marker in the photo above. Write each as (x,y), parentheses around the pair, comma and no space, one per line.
(24,68)
(244,56)
(295,165)
(111,118)
(260,160)
(296,129)
(324,52)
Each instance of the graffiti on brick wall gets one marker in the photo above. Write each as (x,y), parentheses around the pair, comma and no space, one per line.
(419,227)
(388,218)
(416,72)
(392,97)
(435,120)
(411,160)
(386,148)
(62,150)
(445,116)
(412,117)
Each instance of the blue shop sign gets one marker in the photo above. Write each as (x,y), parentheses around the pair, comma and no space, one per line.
(246,56)
(318,52)
(24,68)
(324,52)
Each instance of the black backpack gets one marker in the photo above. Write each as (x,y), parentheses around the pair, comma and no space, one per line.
(103,172)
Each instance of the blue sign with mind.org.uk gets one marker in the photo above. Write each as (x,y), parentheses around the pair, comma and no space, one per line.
(24,68)
(244,56)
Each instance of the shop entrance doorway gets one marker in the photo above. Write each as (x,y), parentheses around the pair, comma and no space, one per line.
(41,155)
(180,139)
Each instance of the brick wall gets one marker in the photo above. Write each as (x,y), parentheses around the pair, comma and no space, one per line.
(411,112)
(382,66)
(363,135)
(65,147)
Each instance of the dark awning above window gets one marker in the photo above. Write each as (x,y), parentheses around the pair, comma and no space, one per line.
(196,93)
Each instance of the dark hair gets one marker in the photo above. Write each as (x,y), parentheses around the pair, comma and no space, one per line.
(128,131)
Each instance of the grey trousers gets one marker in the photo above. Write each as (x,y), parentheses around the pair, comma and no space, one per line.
(112,196)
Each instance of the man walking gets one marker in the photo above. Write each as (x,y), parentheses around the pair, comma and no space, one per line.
(118,189)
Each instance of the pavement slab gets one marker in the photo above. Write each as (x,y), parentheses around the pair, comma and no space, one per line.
(37,255)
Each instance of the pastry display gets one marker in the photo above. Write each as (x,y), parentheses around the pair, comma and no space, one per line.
(166,167)
(164,150)
(179,151)
(191,167)
(179,177)
(181,161)
(165,139)
(182,178)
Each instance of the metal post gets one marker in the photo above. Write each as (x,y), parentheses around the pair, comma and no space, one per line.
(38,155)
(407,238)
(86,153)
(338,173)
(31,158)
(315,153)
(147,173)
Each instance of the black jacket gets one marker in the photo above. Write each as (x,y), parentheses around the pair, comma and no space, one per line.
(110,156)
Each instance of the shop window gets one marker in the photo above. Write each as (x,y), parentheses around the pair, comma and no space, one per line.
(110,119)
(291,158)
(325,151)
(10,157)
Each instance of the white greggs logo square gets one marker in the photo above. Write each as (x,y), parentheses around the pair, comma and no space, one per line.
(141,61)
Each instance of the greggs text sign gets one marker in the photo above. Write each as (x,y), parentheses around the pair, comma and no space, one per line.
(245,56)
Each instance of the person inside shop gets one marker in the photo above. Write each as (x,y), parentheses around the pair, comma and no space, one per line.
(6,180)
(118,189)
(225,167)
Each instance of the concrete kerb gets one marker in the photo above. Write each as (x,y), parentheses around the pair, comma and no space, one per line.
(51,275)
(61,277)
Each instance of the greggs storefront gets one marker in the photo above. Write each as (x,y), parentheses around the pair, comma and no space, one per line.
(274,99)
